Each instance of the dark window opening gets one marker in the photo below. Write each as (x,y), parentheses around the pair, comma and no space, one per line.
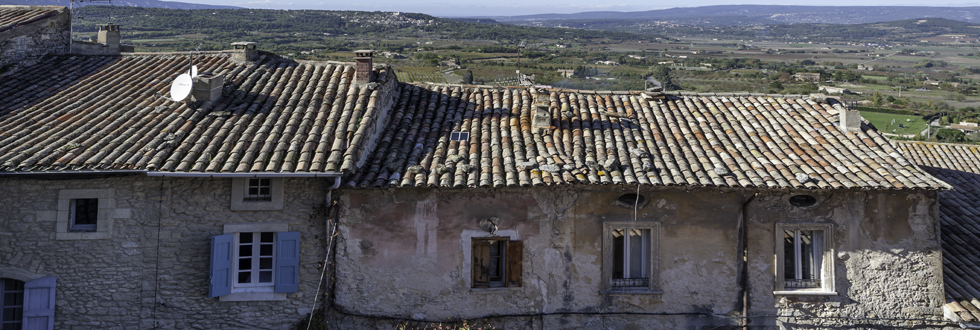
(802,200)
(259,190)
(12,303)
(84,214)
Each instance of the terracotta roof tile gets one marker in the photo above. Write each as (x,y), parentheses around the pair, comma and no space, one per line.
(101,113)
(723,140)
(14,16)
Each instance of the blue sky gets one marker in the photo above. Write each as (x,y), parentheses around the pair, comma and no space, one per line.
(459,8)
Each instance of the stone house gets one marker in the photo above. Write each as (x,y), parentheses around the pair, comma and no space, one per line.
(29,32)
(807,76)
(535,208)
(958,165)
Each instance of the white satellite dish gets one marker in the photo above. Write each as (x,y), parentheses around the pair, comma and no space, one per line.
(181,87)
(193,71)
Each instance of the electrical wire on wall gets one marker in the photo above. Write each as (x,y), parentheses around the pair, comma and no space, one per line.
(332,234)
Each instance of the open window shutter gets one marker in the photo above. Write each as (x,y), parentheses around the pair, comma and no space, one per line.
(287,262)
(481,263)
(221,264)
(39,304)
(515,263)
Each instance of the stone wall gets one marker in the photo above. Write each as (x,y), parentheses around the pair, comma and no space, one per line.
(26,43)
(404,253)
(153,270)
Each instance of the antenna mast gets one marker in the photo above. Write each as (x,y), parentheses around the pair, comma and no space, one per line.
(71,12)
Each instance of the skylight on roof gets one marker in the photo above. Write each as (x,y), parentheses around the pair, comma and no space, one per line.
(459,136)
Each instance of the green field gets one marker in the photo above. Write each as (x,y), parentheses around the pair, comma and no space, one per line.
(883,121)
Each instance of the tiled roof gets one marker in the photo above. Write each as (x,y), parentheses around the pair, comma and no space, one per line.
(13,16)
(722,140)
(80,113)
(958,165)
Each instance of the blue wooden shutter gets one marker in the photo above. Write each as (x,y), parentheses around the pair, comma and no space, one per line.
(287,262)
(221,265)
(39,304)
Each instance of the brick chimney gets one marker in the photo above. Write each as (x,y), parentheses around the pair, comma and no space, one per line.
(244,51)
(364,67)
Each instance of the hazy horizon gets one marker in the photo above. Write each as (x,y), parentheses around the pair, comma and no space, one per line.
(516,8)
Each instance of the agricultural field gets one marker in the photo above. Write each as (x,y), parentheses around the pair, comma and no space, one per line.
(901,125)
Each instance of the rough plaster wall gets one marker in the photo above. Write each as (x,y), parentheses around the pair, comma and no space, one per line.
(888,261)
(46,36)
(402,253)
(122,283)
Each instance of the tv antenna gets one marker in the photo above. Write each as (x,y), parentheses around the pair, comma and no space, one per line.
(73,17)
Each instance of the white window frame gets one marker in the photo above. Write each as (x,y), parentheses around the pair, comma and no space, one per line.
(652,257)
(256,291)
(107,213)
(827,286)
(254,285)
(239,193)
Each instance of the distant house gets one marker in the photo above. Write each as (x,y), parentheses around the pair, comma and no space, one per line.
(566,72)
(807,76)
(834,90)
(613,63)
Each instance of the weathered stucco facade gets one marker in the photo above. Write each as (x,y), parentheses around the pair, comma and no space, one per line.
(45,31)
(152,272)
(406,253)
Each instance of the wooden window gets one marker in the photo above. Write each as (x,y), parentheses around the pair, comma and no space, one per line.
(84,215)
(27,306)
(497,262)
(258,263)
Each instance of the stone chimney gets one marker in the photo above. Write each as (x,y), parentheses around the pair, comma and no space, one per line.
(109,36)
(850,120)
(244,51)
(207,87)
(364,67)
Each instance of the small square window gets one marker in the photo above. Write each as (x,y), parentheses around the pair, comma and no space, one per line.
(259,190)
(497,262)
(84,215)
(803,257)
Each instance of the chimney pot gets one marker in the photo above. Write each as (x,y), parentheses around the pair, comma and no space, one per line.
(245,51)
(364,67)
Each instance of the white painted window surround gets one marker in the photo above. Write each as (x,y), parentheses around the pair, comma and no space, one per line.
(239,196)
(253,293)
(107,213)
(820,249)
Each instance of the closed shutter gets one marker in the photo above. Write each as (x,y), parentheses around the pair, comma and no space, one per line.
(39,304)
(481,263)
(287,262)
(221,264)
(515,263)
